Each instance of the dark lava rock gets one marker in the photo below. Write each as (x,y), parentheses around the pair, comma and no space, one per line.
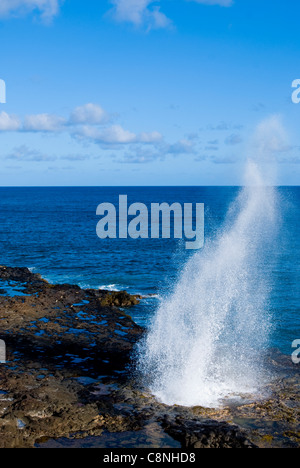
(58,339)
(206,434)
(65,320)
(68,375)
(118,299)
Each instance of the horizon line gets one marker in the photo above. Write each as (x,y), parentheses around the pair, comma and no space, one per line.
(140,186)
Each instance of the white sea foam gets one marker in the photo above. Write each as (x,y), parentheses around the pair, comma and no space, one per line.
(207,339)
(111,287)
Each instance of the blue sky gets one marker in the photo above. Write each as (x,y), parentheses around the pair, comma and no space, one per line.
(140,92)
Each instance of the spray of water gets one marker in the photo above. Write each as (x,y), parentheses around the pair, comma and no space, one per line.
(206,340)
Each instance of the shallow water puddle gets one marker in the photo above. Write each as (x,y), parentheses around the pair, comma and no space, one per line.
(82,303)
(12,288)
(151,436)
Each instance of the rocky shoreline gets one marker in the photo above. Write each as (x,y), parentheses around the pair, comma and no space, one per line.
(68,377)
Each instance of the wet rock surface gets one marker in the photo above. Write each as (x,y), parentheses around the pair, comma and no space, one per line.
(197,434)
(68,378)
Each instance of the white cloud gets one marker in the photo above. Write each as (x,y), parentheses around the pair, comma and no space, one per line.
(43,123)
(89,122)
(223,3)
(141,155)
(152,137)
(233,139)
(88,114)
(116,135)
(148,13)
(9,123)
(181,147)
(140,13)
(47,8)
(111,135)
(23,153)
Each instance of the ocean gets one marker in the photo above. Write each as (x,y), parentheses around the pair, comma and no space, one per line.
(52,230)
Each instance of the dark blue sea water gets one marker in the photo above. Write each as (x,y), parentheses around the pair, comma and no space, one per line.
(53,232)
